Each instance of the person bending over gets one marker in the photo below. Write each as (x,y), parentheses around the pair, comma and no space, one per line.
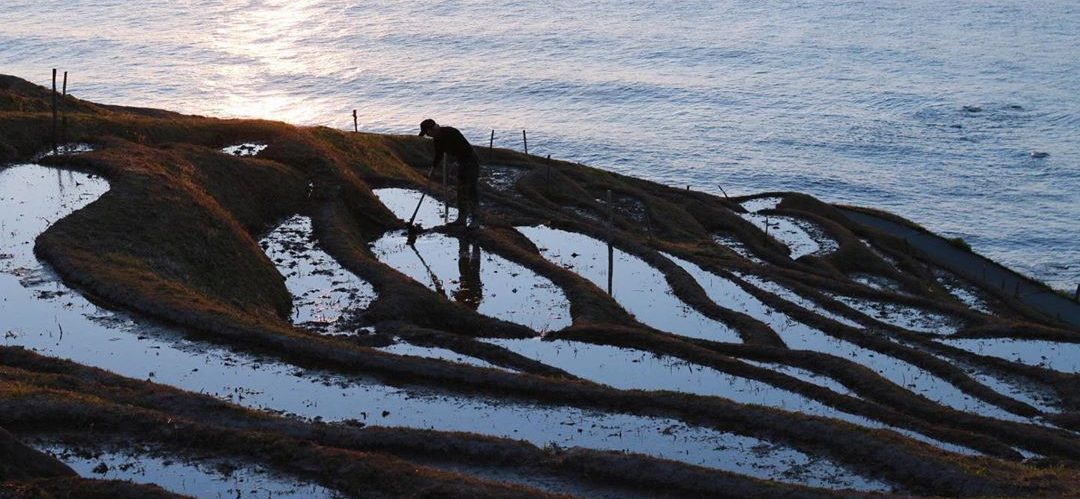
(448,140)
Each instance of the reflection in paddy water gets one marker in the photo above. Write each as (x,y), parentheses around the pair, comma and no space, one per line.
(799,336)
(196,477)
(323,292)
(641,289)
(45,316)
(485,282)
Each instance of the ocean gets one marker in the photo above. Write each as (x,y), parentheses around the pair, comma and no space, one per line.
(963,116)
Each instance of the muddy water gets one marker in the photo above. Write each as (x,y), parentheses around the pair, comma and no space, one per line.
(641,289)
(186,475)
(43,315)
(799,336)
(488,283)
(323,292)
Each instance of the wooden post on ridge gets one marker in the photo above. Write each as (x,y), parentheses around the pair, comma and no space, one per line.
(549,168)
(355,122)
(610,250)
(525,139)
(63,117)
(54,110)
(491,145)
(446,194)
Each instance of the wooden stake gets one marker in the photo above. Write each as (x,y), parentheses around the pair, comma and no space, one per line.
(355,122)
(525,139)
(63,118)
(54,110)
(549,168)
(610,249)
(446,194)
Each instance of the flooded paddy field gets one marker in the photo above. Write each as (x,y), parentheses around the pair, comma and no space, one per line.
(262,323)
(184,475)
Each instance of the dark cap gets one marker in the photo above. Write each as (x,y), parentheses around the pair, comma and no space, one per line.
(426,125)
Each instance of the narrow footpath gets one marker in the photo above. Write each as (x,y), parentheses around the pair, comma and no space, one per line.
(976,268)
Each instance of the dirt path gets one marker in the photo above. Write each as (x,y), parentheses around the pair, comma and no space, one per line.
(976,268)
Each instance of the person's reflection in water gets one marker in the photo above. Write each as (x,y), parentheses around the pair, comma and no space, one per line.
(470,290)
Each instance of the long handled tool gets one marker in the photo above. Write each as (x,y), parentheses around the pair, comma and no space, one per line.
(413,229)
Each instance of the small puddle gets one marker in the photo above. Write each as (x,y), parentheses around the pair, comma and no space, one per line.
(402,202)
(1063,357)
(483,281)
(65,149)
(802,237)
(186,475)
(641,289)
(245,149)
(890,260)
(323,292)
(501,177)
(799,336)
(758,204)
(902,316)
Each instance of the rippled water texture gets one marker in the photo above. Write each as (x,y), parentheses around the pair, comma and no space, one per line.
(854,102)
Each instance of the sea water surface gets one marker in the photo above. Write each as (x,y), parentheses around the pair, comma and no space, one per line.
(963,116)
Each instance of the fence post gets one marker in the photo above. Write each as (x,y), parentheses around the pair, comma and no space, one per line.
(549,168)
(355,122)
(525,139)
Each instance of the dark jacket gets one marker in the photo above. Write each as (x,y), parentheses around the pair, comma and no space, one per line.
(451,141)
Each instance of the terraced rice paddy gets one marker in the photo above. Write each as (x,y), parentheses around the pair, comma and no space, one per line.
(263,322)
